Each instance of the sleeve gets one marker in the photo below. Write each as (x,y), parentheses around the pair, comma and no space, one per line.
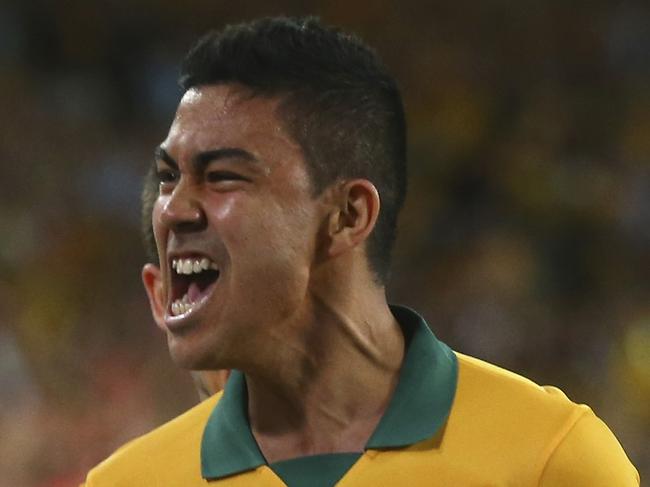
(589,456)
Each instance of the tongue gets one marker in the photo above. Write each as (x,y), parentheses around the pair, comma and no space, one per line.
(193,292)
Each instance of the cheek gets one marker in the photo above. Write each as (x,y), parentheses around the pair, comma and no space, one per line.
(231,220)
(279,247)
(271,236)
(157,224)
(224,209)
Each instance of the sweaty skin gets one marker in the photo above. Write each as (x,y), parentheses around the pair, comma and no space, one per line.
(295,306)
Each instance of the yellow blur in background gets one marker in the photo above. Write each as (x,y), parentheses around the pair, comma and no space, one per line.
(524,241)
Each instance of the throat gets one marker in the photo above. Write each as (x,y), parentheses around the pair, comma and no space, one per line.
(325,389)
(320,422)
(317,440)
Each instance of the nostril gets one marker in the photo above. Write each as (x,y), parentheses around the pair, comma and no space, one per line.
(188,225)
(183,215)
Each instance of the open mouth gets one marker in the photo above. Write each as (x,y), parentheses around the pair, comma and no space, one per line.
(192,280)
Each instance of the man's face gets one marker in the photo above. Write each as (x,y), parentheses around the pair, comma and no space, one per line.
(235,226)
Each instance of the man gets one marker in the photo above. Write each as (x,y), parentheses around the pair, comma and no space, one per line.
(278,190)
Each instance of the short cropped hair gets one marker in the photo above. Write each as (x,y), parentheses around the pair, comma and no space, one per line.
(337,101)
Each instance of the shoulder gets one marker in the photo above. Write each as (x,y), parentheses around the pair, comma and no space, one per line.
(496,403)
(538,430)
(506,391)
(147,459)
(588,455)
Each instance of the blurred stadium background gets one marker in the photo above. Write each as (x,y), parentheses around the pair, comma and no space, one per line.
(525,239)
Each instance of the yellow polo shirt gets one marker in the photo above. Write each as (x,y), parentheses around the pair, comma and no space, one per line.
(453,421)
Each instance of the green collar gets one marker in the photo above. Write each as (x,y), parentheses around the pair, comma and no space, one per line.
(419,406)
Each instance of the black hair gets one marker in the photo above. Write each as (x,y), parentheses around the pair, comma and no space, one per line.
(337,100)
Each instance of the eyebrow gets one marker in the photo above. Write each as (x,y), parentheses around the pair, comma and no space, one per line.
(202,159)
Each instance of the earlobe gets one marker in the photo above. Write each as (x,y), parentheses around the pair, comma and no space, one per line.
(355,217)
(153,285)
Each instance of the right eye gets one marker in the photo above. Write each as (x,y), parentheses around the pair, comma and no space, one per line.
(166,176)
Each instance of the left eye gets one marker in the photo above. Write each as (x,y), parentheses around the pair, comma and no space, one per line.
(165,176)
(217,176)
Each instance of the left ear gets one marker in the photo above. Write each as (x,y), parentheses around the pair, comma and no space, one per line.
(153,285)
(355,215)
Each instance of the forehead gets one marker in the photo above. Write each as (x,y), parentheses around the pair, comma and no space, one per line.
(225,115)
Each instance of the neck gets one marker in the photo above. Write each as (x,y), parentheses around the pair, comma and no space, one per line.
(331,379)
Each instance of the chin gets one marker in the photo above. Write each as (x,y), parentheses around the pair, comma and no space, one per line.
(190,357)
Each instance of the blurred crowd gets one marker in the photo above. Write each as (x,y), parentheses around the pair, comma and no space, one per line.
(524,241)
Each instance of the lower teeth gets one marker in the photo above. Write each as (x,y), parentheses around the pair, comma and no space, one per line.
(181,306)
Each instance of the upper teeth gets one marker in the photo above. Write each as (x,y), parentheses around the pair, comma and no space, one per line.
(192,266)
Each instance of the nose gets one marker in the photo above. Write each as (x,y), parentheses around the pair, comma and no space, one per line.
(182,212)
